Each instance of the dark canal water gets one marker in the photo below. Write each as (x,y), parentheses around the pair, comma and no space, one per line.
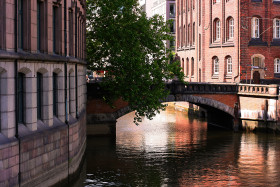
(175,149)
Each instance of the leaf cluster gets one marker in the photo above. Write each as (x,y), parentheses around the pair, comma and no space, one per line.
(130,47)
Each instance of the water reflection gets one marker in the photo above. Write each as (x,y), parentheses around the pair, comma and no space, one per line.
(177,150)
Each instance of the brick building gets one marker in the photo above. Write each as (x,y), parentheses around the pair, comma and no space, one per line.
(229,40)
(42,90)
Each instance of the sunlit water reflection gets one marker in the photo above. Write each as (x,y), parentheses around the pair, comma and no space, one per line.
(177,150)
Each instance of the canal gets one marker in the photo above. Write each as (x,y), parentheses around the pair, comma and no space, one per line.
(175,149)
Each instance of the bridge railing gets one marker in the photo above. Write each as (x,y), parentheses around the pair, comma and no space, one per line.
(177,87)
(257,89)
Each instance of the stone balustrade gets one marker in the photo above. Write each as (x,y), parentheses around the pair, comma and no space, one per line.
(255,89)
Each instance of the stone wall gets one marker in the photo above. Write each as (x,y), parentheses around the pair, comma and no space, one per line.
(46,157)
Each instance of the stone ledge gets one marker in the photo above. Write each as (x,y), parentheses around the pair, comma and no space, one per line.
(22,55)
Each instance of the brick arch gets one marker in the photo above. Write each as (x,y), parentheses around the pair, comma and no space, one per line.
(57,70)
(42,70)
(106,113)
(202,101)
(24,70)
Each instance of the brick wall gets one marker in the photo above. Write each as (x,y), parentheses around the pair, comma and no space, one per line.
(44,156)
(241,49)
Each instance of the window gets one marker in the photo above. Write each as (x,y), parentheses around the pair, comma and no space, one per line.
(255,27)
(55,91)
(216,1)
(193,39)
(57,29)
(193,4)
(187,70)
(71,33)
(276,28)
(2,21)
(20,23)
(21,104)
(39,95)
(41,27)
(39,30)
(257,61)
(183,65)
(70,95)
(172,27)
(192,73)
(199,48)
(230,28)
(172,10)
(217,29)
(277,65)
(229,65)
(189,30)
(215,65)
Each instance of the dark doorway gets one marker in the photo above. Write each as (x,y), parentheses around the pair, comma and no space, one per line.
(256,77)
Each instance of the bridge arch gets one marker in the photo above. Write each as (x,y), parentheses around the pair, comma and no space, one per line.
(198,100)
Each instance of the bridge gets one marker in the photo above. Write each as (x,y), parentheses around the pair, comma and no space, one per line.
(236,106)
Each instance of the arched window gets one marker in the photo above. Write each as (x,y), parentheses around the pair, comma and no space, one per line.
(276,28)
(217,30)
(229,65)
(255,27)
(21,99)
(192,73)
(215,65)
(193,33)
(183,65)
(277,65)
(55,96)
(39,95)
(230,28)
(187,70)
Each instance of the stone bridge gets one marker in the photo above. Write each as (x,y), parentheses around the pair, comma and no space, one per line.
(244,106)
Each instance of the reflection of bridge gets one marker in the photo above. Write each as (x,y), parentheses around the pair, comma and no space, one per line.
(255,106)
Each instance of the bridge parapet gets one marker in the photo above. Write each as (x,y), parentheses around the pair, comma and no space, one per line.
(177,87)
(260,90)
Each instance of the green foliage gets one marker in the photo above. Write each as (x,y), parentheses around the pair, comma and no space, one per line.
(122,41)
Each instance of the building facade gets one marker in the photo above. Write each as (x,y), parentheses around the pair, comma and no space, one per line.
(229,41)
(42,90)
(164,8)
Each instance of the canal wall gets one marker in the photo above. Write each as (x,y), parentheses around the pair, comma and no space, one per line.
(44,157)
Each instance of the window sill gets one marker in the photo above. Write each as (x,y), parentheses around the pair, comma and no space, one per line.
(228,44)
(214,45)
(216,76)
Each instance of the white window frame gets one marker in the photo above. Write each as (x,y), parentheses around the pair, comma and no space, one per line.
(218,29)
(229,65)
(231,28)
(277,65)
(255,27)
(276,28)
(216,66)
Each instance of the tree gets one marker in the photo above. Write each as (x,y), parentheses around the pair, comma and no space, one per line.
(122,41)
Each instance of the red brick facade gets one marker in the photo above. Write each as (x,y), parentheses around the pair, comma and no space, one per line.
(223,41)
